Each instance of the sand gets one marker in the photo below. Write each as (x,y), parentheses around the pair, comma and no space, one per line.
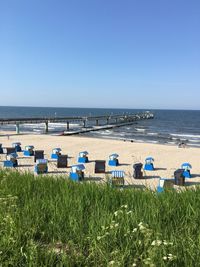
(168,158)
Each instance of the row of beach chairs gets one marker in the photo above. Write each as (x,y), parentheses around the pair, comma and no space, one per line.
(77,171)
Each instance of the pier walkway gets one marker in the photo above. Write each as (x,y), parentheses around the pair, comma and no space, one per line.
(95,122)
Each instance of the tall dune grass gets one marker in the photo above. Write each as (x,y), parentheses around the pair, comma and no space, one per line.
(48,221)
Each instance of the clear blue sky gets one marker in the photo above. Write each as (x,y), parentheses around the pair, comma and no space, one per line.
(100,53)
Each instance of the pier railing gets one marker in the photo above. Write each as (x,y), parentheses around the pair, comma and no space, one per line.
(107,119)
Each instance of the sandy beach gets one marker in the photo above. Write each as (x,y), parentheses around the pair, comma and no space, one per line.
(167,158)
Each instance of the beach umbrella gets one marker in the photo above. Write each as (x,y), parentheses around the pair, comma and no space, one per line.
(186,165)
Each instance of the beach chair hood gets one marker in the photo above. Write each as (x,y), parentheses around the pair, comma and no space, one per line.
(186,165)
(29,147)
(56,150)
(78,167)
(83,153)
(114,156)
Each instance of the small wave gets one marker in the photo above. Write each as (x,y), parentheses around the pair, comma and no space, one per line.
(186,135)
(153,134)
(140,129)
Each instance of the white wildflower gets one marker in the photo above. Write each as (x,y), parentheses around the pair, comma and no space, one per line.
(156,243)
(129,212)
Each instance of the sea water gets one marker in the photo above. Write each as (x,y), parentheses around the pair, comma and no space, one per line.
(167,127)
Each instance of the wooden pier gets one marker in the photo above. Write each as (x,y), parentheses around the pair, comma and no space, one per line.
(99,122)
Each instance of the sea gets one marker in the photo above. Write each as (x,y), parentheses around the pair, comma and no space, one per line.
(167,127)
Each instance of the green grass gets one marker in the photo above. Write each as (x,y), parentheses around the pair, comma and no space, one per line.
(48,221)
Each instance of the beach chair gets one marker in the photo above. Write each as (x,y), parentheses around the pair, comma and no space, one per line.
(149,164)
(8,150)
(38,154)
(11,161)
(179,177)
(113,160)
(83,157)
(100,166)
(17,146)
(29,151)
(186,167)
(1,149)
(77,173)
(117,178)
(41,166)
(137,171)
(55,153)
(62,161)
(165,184)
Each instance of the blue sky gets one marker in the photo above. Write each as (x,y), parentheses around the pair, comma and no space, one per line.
(100,53)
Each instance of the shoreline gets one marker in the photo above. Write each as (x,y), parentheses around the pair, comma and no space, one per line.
(60,134)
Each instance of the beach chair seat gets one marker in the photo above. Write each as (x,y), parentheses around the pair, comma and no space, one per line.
(165,184)
(137,171)
(100,166)
(149,166)
(83,157)
(113,160)
(179,177)
(55,153)
(117,179)
(77,173)
(41,166)
(62,161)
(38,154)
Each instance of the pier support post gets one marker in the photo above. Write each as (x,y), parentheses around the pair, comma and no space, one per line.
(97,122)
(46,126)
(17,128)
(67,126)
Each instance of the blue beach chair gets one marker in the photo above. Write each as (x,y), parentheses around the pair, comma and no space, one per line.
(186,167)
(29,151)
(164,183)
(77,173)
(113,160)
(55,153)
(11,161)
(17,146)
(41,166)
(83,157)
(149,164)
(117,179)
